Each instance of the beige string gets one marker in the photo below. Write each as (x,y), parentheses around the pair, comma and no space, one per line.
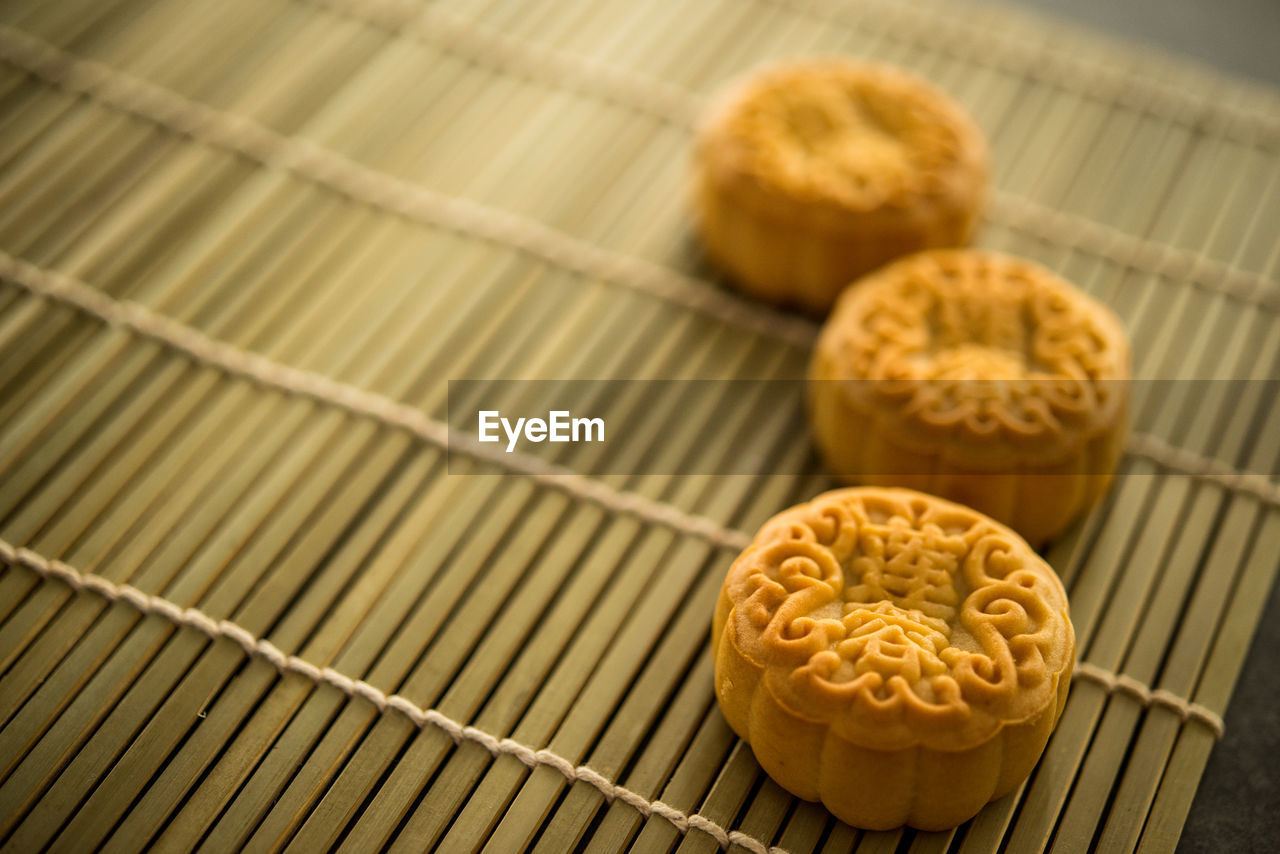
(216,629)
(295,381)
(267,372)
(309,160)
(472,40)
(936,30)
(1130,252)
(951,32)
(285,663)
(362,184)
(1182,461)
(680,107)
(1121,683)
(289,380)
(250,138)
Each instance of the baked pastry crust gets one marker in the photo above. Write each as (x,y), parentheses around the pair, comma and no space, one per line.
(899,657)
(977,377)
(810,174)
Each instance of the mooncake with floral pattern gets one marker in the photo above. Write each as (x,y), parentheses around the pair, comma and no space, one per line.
(978,377)
(812,173)
(900,658)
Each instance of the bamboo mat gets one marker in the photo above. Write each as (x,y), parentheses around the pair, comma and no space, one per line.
(245,243)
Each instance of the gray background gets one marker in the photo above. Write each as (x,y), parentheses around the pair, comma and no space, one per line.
(1237,36)
(1238,805)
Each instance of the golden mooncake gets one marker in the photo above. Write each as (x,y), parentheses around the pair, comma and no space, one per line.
(977,377)
(898,657)
(808,175)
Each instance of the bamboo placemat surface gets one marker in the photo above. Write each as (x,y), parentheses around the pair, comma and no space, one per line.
(245,243)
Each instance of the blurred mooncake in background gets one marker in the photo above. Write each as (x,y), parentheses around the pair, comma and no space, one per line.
(812,173)
(900,658)
(977,377)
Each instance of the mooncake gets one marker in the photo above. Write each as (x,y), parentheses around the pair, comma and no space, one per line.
(977,377)
(900,658)
(810,174)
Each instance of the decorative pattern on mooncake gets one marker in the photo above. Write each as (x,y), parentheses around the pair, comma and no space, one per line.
(811,174)
(978,377)
(900,658)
